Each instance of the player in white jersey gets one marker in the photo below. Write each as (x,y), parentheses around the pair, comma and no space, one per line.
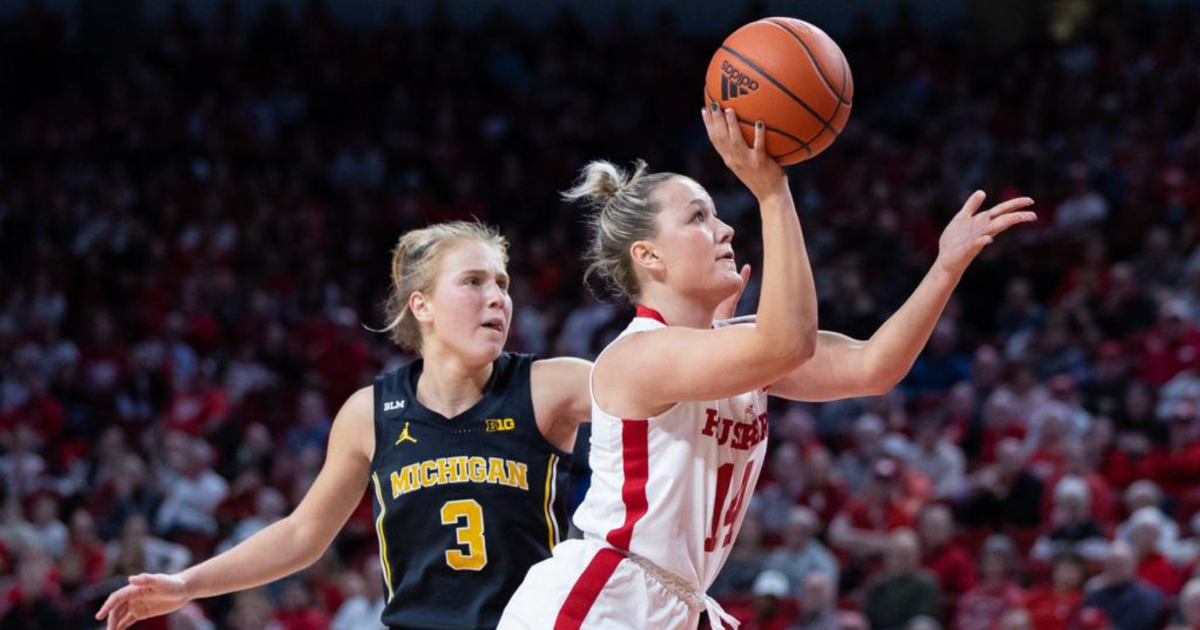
(678,407)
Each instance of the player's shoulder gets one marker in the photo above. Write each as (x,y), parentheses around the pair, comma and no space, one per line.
(353,428)
(359,407)
(363,397)
(634,349)
(561,381)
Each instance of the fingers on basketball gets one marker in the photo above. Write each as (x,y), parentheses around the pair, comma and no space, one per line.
(760,139)
(736,139)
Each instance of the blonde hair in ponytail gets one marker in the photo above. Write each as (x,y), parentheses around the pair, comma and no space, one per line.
(415,264)
(622,213)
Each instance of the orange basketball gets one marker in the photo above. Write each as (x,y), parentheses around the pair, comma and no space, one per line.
(788,74)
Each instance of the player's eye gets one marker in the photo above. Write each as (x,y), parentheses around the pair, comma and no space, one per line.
(699,216)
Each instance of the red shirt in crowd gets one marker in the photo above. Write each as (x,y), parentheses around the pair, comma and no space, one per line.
(1046,464)
(881,517)
(1176,472)
(981,607)
(1050,609)
(196,413)
(1156,570)
(1163,359)
(825,500)
(993,436)
(954,569)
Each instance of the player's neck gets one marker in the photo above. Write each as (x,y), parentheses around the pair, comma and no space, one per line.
(449,387)
(678,310)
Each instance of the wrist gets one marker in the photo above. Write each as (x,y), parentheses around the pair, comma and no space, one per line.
(776,196)
(947,270)
(188,579)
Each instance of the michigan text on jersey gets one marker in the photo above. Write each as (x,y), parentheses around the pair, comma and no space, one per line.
(462,469)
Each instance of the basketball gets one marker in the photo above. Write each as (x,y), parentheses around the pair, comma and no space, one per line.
(788,74)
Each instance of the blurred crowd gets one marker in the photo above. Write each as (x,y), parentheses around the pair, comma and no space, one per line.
(195,231)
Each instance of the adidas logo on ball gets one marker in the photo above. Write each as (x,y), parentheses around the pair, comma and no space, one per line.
(735,83)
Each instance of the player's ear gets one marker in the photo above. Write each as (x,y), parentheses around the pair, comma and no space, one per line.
(645,255)
(421,307)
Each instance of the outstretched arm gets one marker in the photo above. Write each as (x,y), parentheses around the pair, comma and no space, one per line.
(843,367)
(281,549)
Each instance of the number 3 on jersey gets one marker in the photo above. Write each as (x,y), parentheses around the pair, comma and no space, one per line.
(469,533)
(724,477)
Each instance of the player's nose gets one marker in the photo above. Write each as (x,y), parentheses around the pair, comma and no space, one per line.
(724,232)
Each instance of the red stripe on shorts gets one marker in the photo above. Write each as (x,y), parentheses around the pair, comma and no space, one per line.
(636,456)
(587,588)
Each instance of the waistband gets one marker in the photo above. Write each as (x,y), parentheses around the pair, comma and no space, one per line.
(696,599)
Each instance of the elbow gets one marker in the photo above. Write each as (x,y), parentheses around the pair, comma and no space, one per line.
(786,357)
(880,376)
(784,350)
(801,348)
(880,384)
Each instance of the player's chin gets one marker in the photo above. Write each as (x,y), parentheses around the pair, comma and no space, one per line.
(727,277)
(721,286)
(487,346)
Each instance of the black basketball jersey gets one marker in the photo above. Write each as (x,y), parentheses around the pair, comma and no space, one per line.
(464,506)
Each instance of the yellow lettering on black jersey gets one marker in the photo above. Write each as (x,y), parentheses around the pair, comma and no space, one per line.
(461,469)
(500,424)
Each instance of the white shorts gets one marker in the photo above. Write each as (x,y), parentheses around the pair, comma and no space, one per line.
(588,585)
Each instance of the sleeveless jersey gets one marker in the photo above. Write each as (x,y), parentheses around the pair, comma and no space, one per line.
(464,505)
(673,488)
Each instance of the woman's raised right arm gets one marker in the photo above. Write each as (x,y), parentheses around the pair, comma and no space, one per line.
(681,364)
(285,547)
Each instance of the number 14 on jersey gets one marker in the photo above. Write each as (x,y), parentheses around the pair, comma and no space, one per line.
(724,479)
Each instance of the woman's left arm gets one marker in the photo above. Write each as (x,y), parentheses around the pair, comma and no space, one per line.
(843,367)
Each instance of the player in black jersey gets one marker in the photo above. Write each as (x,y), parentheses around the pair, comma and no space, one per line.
(464,452)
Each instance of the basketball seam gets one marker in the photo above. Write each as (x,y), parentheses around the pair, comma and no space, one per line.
(838,108)
(817,64)
(744,121)
(783,155)
(781,87)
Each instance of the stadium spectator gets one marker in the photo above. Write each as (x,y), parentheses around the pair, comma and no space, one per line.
(903,590)
(1153,567)
(1129,602)
(802,553)
(997,591)
(817,597)
(1004,493)
(1052,606)
(949,561)
(1189,608)
(1072,527)
(936,457)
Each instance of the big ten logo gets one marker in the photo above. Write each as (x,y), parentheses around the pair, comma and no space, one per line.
(500,424)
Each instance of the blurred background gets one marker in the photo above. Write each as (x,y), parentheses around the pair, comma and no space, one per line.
(198,201)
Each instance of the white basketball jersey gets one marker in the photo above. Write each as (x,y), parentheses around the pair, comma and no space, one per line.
(673,488)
